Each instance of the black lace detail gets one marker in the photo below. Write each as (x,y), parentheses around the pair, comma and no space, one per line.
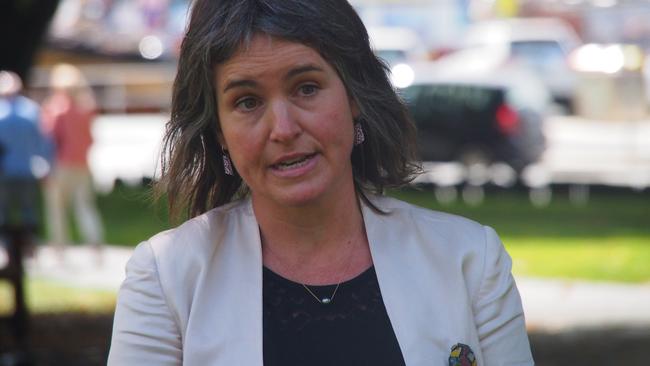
(352,330)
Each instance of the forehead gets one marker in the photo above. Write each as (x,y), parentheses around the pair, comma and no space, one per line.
(266,54)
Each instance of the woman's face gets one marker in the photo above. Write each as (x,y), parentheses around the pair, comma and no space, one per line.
(287,122)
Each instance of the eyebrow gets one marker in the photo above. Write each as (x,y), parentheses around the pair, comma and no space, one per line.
(238,84)
(251,83)
(302,69)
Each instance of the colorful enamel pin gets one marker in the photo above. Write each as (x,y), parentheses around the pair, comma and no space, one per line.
(462,355)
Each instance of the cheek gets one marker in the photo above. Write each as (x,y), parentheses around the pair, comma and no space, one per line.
(338,125)
(245,148)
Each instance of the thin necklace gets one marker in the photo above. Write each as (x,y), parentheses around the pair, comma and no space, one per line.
(328,300)
(324,300)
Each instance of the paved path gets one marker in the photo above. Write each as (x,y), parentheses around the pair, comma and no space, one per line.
(82,266)
(550,305)
(557,305)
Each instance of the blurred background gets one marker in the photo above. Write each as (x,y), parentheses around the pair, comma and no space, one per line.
(532,118)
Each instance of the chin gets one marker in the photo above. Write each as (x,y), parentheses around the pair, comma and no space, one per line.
(301,199)
(316,190)
(299,196)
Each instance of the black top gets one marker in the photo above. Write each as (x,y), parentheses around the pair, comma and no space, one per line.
(353,329)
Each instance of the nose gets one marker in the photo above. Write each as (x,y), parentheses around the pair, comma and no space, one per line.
(284,124)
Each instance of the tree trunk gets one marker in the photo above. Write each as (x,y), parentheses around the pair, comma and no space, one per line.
(23,24)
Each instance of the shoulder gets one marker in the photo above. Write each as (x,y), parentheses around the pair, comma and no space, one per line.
(178,258)
(199,235)
(436,240)
(416,219)
(396,206)
(27,108)
(450,243)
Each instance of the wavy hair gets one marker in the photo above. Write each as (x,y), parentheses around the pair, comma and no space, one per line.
(192,173)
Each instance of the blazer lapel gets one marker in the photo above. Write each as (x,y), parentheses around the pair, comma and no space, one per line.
(402,273)
(240,292)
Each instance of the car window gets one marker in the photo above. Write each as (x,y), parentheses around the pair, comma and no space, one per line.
(452,103)
(542,55)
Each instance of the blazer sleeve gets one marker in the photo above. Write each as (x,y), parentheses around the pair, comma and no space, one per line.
(498,312)
(145,331)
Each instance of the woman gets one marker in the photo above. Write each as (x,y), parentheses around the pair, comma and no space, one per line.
(284,129)
(68,114)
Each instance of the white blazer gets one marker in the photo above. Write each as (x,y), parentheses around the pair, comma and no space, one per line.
(193,295)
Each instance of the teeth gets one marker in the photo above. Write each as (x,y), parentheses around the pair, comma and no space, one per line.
(293,163)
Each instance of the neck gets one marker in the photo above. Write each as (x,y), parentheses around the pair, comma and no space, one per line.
(315,244)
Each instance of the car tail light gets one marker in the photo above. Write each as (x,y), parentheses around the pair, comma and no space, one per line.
(507,119)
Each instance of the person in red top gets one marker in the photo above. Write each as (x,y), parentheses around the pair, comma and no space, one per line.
(68,114)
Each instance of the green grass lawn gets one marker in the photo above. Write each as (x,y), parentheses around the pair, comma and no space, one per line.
(130,215)
(608,239)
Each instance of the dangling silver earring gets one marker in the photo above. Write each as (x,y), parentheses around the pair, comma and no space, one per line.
(227,164)
(359,136)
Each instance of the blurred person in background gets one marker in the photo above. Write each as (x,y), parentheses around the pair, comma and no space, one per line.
(284,132)
(68,113)
(24,155)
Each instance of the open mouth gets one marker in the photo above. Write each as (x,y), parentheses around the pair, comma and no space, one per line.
(293,163)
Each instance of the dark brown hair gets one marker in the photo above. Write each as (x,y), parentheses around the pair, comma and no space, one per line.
(192,171)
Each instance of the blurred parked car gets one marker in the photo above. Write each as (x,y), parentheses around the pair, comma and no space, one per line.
(477,118)
(543,44)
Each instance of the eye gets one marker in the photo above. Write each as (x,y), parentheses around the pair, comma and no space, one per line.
(247,104)
(308,90)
